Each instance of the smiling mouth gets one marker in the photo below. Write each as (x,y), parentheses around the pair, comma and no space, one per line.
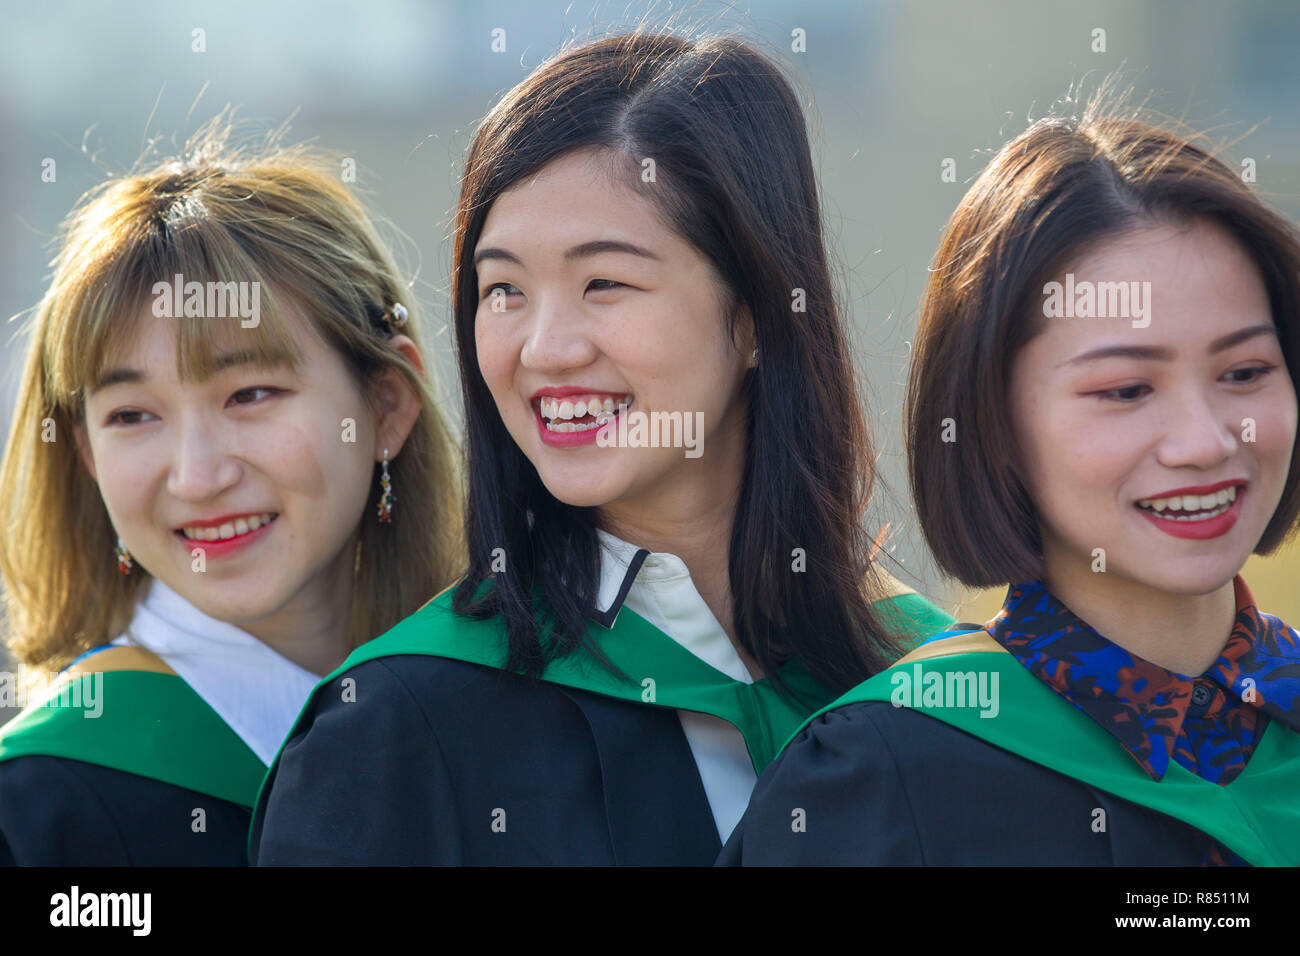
(580,413)
(231,529)
(1192,507)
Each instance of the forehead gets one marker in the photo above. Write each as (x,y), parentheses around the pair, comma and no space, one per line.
(1166,251)
(1195,281)
(192,348)
(575,198)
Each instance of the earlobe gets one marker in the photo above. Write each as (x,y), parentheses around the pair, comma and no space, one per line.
(748,339)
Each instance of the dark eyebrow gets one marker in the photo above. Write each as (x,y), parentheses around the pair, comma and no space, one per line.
(582,251)
(123,376)
(1160,353)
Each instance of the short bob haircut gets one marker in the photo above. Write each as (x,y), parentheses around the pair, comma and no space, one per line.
(226,211)
(736,180)
(1058,188)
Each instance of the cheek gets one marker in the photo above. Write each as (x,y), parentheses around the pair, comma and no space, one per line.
(321,461)
(128,476)
(498,355)
(1278,433)
(316,458)
(681,353)
(1074,457)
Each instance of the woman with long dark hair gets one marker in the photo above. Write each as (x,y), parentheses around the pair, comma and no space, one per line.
(668,467)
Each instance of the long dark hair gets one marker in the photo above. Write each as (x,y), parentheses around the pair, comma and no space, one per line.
(736,180)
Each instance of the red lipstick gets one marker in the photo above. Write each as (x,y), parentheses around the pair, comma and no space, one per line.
(228,546)
(572,439)
(1200,529)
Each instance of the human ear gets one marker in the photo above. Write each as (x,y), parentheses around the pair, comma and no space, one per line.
(745,336)
(399,402)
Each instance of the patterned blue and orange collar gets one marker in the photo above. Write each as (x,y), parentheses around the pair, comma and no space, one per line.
(1143,705)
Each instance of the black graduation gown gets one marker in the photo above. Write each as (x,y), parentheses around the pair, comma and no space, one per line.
(124,787)
(60,812)
(881,785)
(512,771)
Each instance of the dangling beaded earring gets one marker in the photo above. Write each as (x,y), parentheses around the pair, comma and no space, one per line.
(124,563)
(386,498)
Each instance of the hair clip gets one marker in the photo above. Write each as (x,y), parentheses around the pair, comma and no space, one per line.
(396,316)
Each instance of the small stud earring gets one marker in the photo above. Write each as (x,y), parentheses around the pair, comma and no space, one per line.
(386,498)
(124,563)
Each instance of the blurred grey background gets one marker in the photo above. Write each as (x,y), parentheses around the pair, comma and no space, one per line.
(893,88)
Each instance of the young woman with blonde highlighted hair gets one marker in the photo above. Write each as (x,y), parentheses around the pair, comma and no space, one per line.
(226,471)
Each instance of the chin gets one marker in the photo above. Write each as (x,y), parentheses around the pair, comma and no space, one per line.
(230,603)
(1192,579)
(578,495)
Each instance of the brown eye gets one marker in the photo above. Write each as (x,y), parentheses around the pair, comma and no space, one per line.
(125,417)
(1255,374)
(245,392)
(606,284)
(506,287)
(1129,393)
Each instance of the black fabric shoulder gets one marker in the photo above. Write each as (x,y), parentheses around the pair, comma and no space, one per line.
(363,755)
(886,785)
(60,812)
(421,760)
(833,797)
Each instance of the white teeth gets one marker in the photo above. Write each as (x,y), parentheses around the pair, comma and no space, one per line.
(1213,504)
(574,426)
(228,530)
(555,411)
(1203,515)
(1203,506)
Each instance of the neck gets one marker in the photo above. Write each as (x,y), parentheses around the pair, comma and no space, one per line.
(1179,632)
(312,629)
(701,540)
(694,522)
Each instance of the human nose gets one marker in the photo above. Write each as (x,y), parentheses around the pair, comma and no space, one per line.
(1200,435)
(556,338)
(202,466)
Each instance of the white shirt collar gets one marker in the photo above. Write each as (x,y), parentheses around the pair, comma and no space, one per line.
(658,587)
(251,687)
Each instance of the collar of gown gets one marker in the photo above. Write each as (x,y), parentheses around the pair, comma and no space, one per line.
(658,587)
(250,686)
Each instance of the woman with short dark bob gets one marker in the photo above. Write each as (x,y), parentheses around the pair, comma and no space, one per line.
(1102,416)
(647,616)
